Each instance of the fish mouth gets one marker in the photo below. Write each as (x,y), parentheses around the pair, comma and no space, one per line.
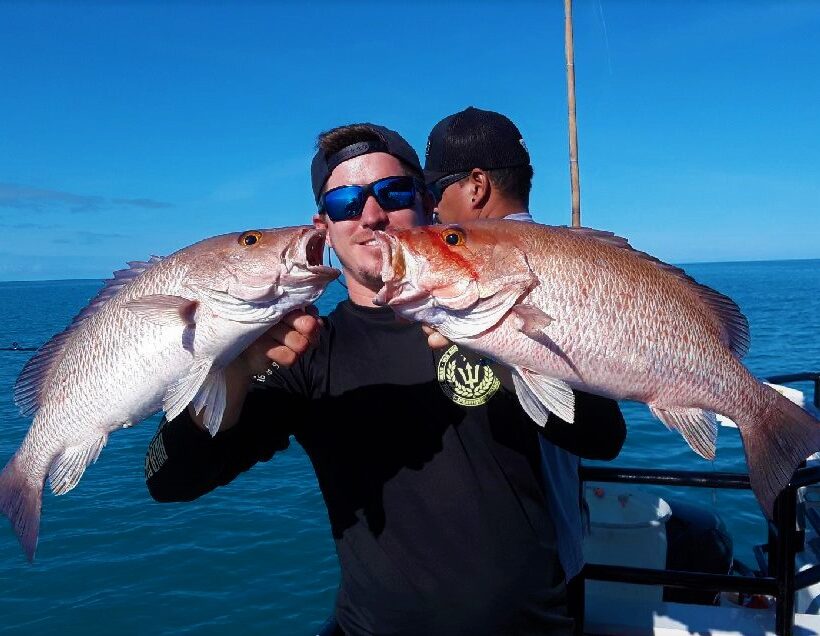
(389,247)
(314,248)
(396,273)
(304,257)
(301,266)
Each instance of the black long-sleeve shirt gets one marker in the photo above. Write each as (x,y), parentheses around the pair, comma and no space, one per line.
(437,509)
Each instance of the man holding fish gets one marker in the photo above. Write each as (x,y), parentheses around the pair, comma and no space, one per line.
(431,472)
(478,167)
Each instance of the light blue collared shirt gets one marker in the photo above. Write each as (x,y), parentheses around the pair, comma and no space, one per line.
(562,484)
(519,216)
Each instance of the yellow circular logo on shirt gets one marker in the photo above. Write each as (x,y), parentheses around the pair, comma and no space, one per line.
(468,382)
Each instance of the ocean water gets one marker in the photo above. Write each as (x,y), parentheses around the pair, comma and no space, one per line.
(257,555)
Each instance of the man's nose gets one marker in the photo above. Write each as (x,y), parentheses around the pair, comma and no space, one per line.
(373,215)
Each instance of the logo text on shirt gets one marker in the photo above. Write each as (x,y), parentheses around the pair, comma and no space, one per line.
(465,382)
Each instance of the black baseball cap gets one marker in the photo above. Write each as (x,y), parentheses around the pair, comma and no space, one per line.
(473,138)
(388,141)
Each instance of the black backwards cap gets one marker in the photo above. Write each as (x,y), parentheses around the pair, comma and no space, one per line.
(389,141)
(473,138)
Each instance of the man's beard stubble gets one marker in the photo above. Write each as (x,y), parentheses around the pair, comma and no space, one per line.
(371,280)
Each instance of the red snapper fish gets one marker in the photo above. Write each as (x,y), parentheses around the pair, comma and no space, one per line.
(577,308)
(157,336)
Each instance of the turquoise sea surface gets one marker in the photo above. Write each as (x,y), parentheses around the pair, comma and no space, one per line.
(256,557)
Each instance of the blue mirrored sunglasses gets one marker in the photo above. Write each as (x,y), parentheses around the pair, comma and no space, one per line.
(391,193)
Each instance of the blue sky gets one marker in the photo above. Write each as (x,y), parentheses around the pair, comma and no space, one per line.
(130,129)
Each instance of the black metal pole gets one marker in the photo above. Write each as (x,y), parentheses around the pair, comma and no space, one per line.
(682,579)
(576,603)
(785,516)
(695,478)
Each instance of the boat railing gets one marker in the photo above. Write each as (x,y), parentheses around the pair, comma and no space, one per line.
(785,537)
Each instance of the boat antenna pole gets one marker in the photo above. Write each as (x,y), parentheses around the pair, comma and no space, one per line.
(569,50)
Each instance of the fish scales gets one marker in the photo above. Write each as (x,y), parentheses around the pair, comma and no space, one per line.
(156,337)
(612,318)
(574,308)
(594,323)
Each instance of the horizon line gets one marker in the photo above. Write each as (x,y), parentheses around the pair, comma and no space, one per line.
(682,265)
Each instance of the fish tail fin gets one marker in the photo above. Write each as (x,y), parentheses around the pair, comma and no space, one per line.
(777,438)
(21,501)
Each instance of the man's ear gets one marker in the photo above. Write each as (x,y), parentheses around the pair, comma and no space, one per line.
(320,223)
(480,188)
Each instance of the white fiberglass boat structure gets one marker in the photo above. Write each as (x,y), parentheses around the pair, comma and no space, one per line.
(629,550)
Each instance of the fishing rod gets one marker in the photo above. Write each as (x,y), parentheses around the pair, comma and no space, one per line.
(569,51)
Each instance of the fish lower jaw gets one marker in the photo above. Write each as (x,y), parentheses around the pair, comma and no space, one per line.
(417,306)
(390,257)
(397,294)
(299,295)
(301,274)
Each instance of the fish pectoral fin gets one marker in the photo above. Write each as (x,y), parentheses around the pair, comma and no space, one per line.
(183,391)
(698,427)
(539,396)
(165,310)
(529,402)
(203,388)
(533,321)
(212,397)
(65,471)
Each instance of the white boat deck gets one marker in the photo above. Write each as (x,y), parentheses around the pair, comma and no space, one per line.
(633,610)
(627,618)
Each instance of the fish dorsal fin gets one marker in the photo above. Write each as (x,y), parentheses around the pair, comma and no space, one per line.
(731,322)
(602,235)
(34,376)
(113,285)
(734,325)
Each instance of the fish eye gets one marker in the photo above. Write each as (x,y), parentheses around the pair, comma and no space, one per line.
(250,238)
(453,237)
